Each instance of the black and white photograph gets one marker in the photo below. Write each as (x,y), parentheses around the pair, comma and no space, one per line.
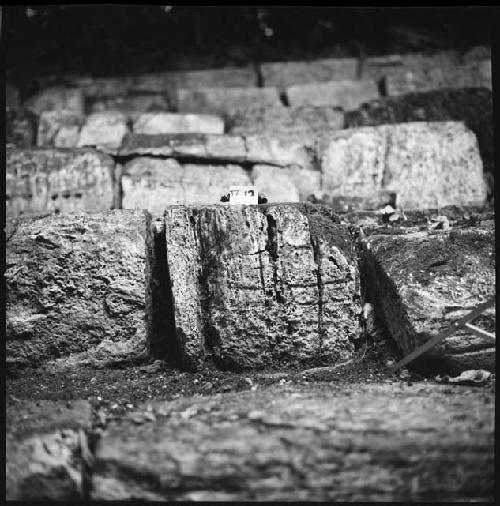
(249,253)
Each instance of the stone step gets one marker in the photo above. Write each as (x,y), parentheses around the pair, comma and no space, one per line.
(262,285)
(343,94)
(76,286)
(426,164)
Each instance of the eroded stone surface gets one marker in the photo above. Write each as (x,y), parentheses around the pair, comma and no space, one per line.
(42,449)
(426,164)
(153,183)
(169,123)
(45,180)
(319,442)
(130,105)
(60,129)
(419,283)
(76,282)
(254,295)
(473,106)
(345,94)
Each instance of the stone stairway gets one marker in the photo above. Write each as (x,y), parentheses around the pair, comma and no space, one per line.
(119,252)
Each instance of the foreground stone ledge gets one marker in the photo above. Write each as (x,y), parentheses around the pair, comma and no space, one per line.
(76,283)
(169,123)
(43,449)
(309,443)
(284,74)
(259,285)
(426,164)
(221,148)
(419,283)
(45,180)
(344,94)
(473,106)
(153,183)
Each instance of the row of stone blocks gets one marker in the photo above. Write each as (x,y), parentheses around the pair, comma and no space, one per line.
(426,164)
(243,286)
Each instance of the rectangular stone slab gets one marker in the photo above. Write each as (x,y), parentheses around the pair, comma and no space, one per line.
(42,449)
(76,283)
(284,74)
(251,149)
(170,123)
(253,292)
(153,183)
(426,164)
(419,283)
(344,94)
(45,180)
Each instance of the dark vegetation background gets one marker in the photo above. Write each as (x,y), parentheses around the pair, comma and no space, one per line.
(105,40)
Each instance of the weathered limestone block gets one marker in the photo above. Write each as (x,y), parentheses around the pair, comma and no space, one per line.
(228,77)
(60,129)
(76,283)
(473,106)
(368,443)
(104,130)
(45,180)
(42,450)
(249,287)
(20,128)
(469,75)
(169,123)
(230,148)
(286,184)
(426,164)
(284,74)
(153,183)
(57,98)
(303,124)
(420,283)
(103,86)
(345,94)
(130,105)
(225,101)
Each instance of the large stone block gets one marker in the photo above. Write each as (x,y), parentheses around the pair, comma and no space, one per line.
(286,184)
(301,124)
(252,286)
(469,75)
(153,183)
(130,105)
(473,106)
(20,128)
(426,164)
(48,180)
(420,283)
(104,130)
(225,101)
(169,123)
(284,74)
(211,147)
(227,77)
(344,94)
(58,98)
(43,449)
(76,284)
(59,129)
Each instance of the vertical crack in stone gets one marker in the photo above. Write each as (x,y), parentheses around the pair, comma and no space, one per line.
(317,255)
(388,149)
(160,311)
(272,247)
